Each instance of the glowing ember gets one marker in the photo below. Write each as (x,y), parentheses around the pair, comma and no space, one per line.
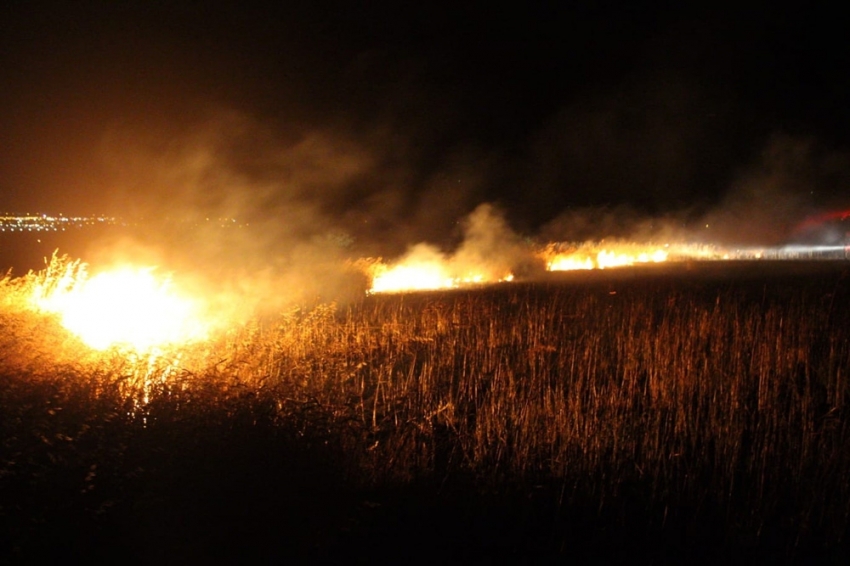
(128,306)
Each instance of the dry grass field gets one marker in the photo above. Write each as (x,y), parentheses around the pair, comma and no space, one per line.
(652,415)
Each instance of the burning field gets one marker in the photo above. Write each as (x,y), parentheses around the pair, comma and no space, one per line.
(664,415)
(323,283)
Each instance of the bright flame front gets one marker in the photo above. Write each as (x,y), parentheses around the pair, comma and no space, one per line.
(603,258)
(413,277)
(416,274)
(129,306)
(426,276)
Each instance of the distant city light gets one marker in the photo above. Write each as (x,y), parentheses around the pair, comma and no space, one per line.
(59,223)
(45,223)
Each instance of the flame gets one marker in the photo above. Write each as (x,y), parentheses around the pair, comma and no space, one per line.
(127,306)
(425,268)
(570,262)
(604,255)
(592,256)
(425,276)
(412,277)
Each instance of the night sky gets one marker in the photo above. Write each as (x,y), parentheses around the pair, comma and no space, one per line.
(394,120)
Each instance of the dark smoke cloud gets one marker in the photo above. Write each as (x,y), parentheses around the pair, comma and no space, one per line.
(594,224)
(793,178)
(655,142)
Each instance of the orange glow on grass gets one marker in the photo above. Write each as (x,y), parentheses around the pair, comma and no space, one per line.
(127,306)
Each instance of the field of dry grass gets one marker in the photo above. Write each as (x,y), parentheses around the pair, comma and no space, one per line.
(699,414)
